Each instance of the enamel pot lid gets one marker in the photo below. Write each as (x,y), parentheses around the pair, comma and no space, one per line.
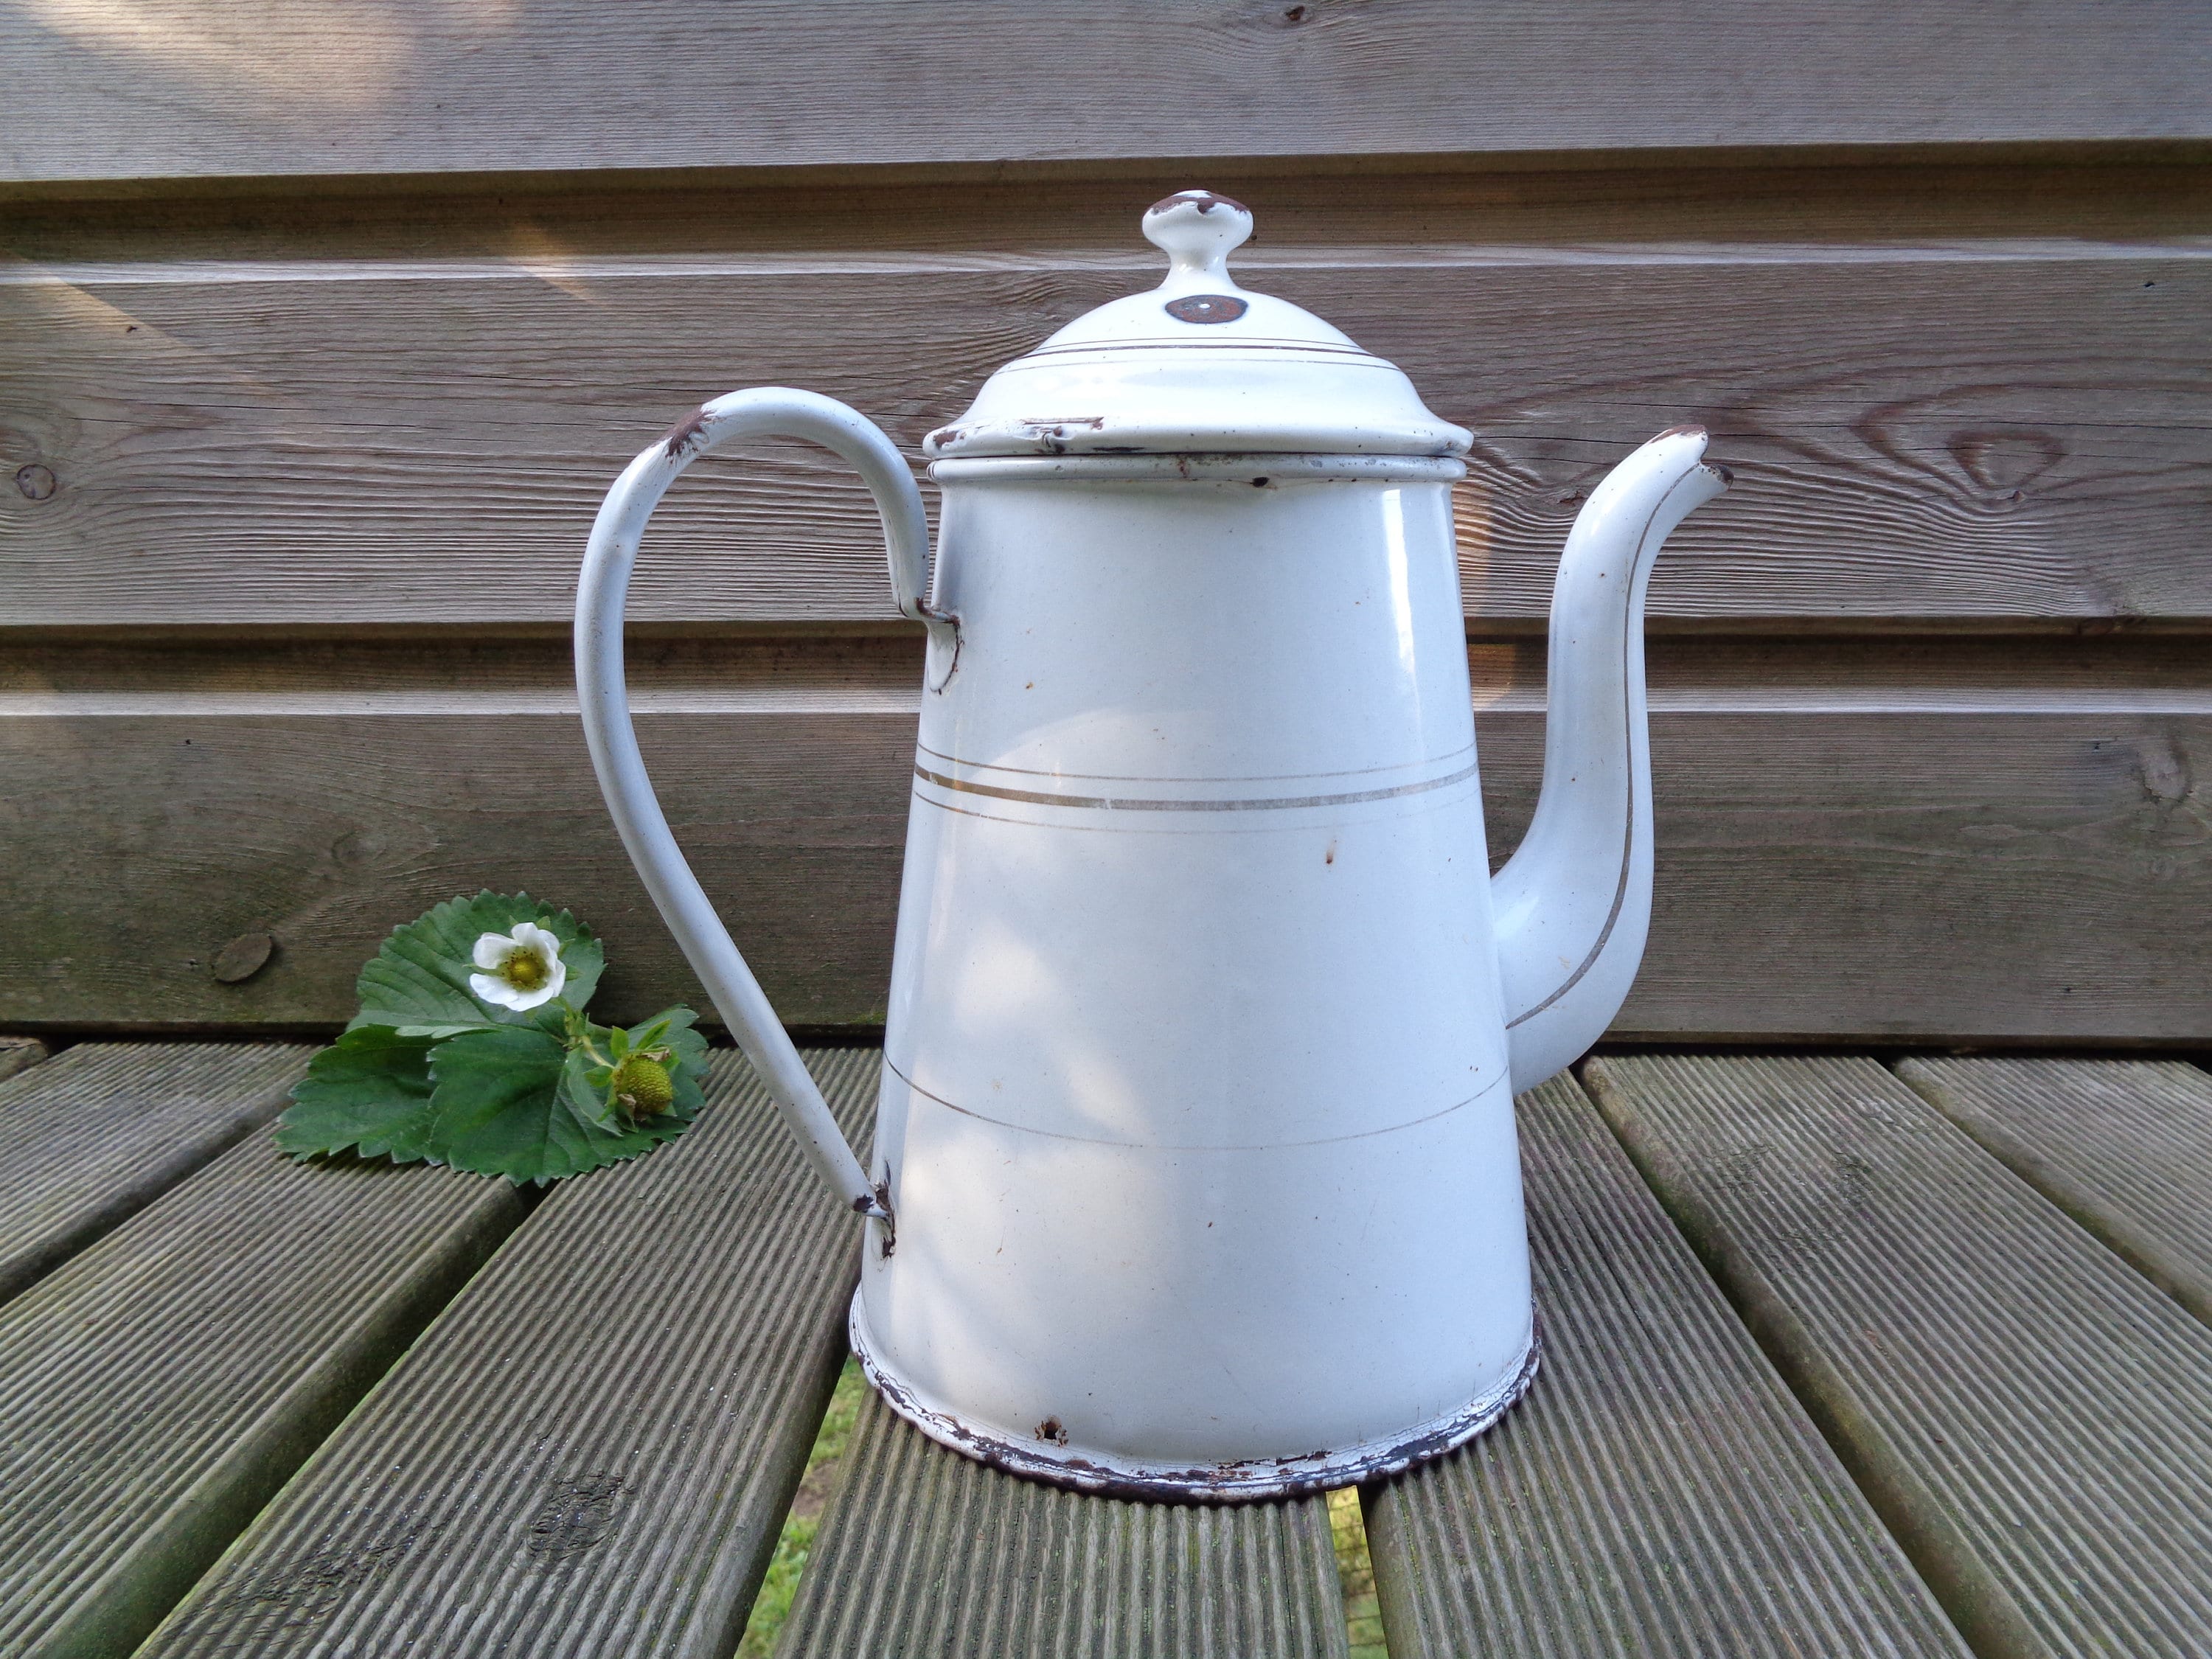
(1198,366)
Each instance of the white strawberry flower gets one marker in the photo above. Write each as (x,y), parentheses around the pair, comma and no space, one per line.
(522,969)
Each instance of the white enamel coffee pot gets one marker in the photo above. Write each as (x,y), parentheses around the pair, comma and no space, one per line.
(1194,1172)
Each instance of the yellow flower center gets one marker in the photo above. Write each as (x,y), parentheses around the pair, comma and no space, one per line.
(523,969)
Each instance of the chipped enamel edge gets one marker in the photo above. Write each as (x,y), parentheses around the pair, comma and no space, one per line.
(1242,1481)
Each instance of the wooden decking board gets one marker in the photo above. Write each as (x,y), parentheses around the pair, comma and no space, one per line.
(19,1053)
(157,1388)
(591,1452)
(923,1553)
(2031,1416)
(1658,1495)
(2124,1146)
(88,1138)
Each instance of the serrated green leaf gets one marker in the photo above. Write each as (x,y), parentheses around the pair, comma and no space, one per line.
(585,1083)
(686,1065)
(583,1093)
(428,1070)
(418,982)
(499,1108)
(687,1068)
(371,1092)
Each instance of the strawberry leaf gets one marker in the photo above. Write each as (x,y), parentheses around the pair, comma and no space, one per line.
(689,1065)
(370,1092)
(418,982)
(428,1070)
(589,1086)
(502,1104)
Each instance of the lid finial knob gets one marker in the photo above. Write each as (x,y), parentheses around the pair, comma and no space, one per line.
(1196,229)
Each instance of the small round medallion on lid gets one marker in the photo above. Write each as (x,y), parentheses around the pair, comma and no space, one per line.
(1207,308)
(1200,365)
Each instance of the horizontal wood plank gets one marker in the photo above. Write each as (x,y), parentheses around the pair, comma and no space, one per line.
(2032,1417)
(179,87)
(2002,434)
(590,1452)
(326,832)
(1658,1494)
(159,1387)
(926,1554)
(1925,840)
(90,1138)
(2123,1146)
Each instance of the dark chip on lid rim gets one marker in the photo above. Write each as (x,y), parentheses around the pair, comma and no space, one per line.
(1207,308)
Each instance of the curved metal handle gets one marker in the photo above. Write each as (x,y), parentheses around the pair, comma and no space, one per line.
(676,891)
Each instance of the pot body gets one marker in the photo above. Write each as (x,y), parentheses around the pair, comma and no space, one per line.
(1195,1112)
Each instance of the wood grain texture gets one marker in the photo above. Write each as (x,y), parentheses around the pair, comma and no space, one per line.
(589,1453)
(924,1554)
(89,1140)
(1915,841)
(20,1055)
(179,87)
(1658,1494)
(326,832)
(2029,1414)
(1996,434)
(159,1387)
(2123,1146)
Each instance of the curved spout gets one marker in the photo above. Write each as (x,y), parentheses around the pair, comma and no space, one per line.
(1574,902)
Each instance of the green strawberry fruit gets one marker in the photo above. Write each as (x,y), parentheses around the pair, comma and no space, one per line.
(643,1086)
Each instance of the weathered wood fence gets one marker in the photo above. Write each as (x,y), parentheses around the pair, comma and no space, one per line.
(322,330)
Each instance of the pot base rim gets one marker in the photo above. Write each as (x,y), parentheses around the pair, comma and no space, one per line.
(1242,1481)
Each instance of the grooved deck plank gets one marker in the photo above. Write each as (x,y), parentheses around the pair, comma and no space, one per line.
(157,1387)
(90,1138)
(2030,1415)
(925,1552)
(2124,1146)
(20,1055)
(591,1451)
(1659,1493)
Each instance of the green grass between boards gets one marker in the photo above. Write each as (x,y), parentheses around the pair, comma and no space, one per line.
(1363,1612)
(796,1542)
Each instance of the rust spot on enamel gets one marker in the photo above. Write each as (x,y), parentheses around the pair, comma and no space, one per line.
(684,435)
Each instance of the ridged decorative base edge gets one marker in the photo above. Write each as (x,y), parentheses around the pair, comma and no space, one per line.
(1245,1481)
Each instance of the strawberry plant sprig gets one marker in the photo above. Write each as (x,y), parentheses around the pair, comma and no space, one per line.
(472,1049)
